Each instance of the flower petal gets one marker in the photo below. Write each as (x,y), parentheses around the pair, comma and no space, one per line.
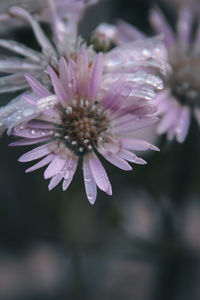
(183,124)
(160,25)
(37,87)
(54,167)
(58,88)
(95,78)
(116,160)
(41,163)
(90,184)
(67,179)
(38,152)
(99,174)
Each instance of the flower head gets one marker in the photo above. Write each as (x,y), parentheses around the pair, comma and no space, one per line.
(181,97)
(126,60)
(80,120)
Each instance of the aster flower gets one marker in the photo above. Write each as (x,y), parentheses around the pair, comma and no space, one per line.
(180,98)
(80,120)
(130,60)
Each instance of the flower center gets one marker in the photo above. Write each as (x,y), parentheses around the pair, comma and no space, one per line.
(82,126)
(184,82)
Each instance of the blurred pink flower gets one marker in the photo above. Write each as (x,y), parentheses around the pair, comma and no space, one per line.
(181,97)
(81,119)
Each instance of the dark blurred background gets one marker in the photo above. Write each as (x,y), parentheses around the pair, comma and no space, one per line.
(143,243)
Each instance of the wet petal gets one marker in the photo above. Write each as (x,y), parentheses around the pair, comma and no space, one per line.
(90,184)
(99,174)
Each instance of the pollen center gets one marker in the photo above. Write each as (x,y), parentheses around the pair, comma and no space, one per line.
(184,82)
(82,126)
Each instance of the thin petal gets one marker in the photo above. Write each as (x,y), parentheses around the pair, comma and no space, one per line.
(55,181)
(67,180)
(37,87)
(38,152)
(90,184)
(95,78)
(54,167)
(58,88)
(24,142)
(41,163)
(31,133)
(169,119)
(99,174)
(82,71)
(136,144)
(135,124)
(184,24)
(116,160)
(161,25)
(183,124)
(127,32)
(20,49)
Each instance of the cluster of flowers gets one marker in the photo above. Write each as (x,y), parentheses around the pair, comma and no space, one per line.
(77,102)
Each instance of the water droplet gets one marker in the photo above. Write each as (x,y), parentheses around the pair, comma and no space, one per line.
(28,111)
(33,132)
(87,179)
(43,133)
(90,197)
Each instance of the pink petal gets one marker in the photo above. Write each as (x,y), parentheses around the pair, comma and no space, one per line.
(116,95)
(82,72)
(40,124)
(67,181)
(55,181)
(38,152)
(95,78)
(37,87)
(135,124)
(90,185)
(183,124)
(41,163)
(99,174)
(24,142)
(160,25)
(128,33)
(72,83)
(116,160)
(169,119)
(65,79)
(136,144)
(58,88)
(32,133)
(54,167)
(125,154)
(184,24)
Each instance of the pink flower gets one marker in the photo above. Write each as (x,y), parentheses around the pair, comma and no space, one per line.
(181,97)
(80,120)
(129,61)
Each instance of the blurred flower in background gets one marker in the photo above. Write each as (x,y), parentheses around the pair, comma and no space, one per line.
(179,101)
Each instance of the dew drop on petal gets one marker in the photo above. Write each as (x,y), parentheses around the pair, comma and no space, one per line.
(32,131)
(28,111)
(90,197)
(87,179)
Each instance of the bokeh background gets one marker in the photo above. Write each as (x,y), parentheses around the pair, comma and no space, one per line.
(143,243)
